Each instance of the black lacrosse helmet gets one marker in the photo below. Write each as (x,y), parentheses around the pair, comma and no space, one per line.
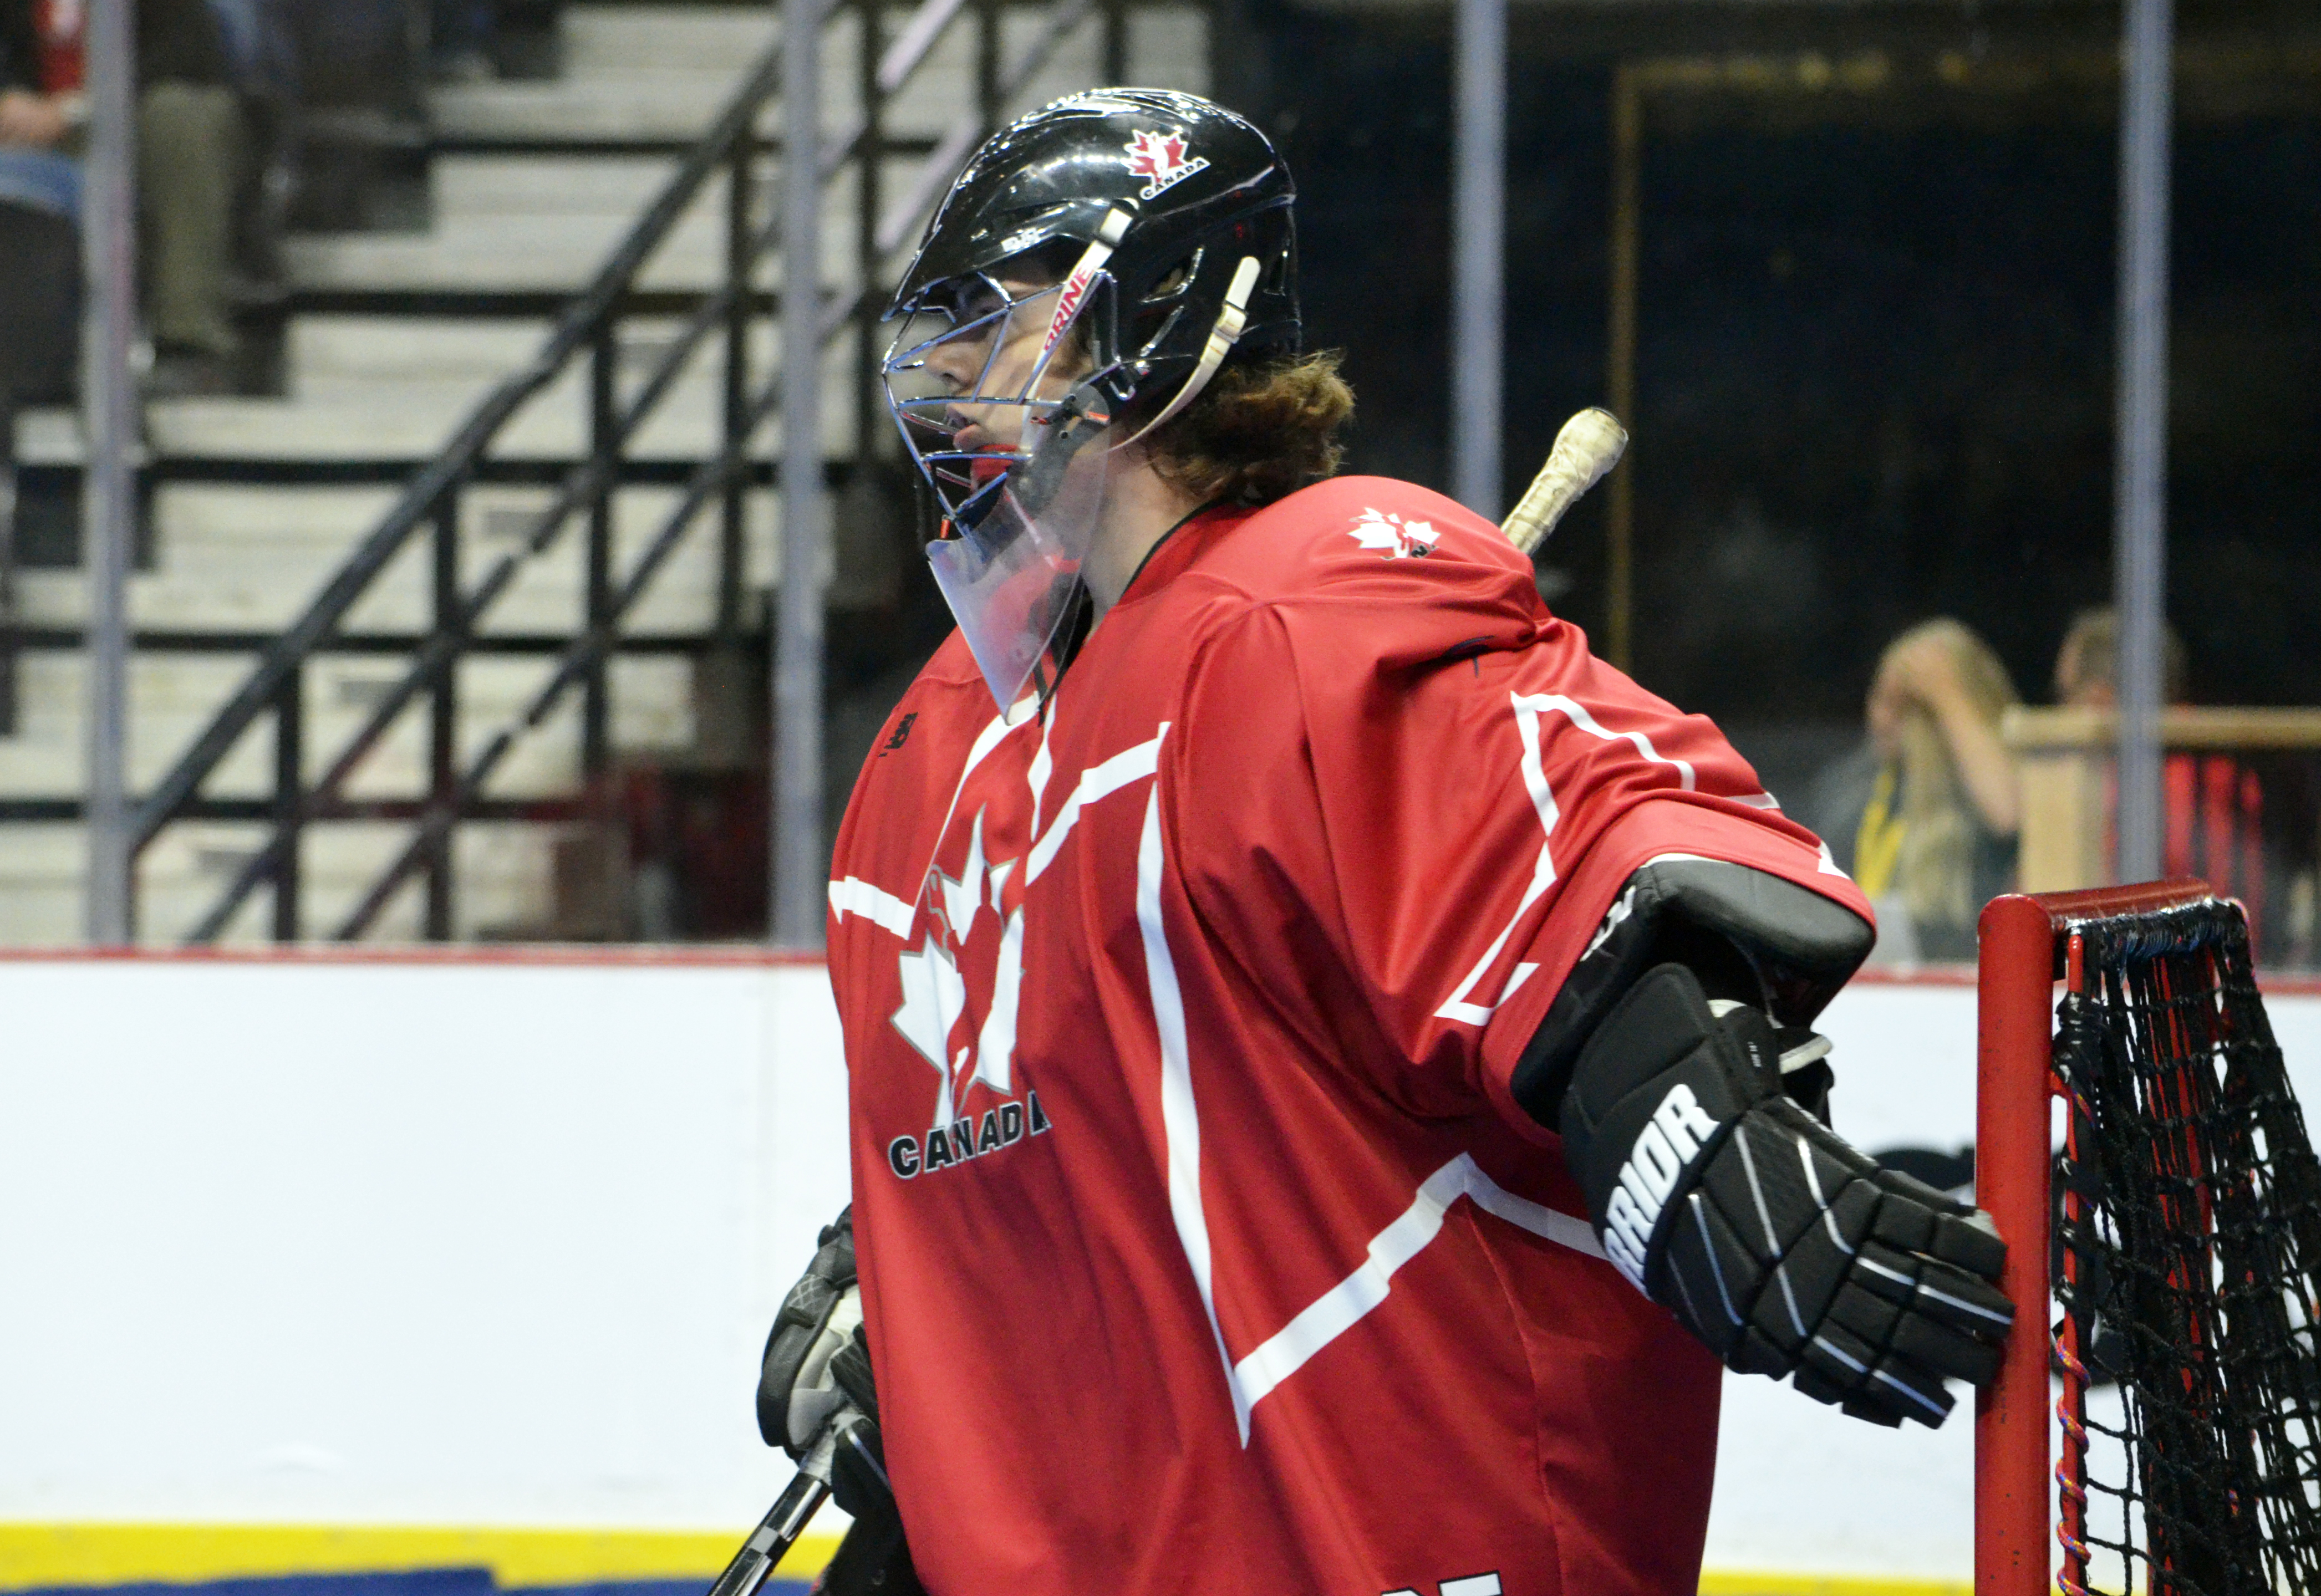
(1181,189)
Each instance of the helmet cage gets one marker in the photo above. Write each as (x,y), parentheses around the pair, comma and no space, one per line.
(976,309)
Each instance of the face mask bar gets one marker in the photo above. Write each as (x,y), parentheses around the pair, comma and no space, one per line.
(974,385)
(1017,462)
(933,402)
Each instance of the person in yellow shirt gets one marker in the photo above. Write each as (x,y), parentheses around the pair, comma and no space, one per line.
(1923,816)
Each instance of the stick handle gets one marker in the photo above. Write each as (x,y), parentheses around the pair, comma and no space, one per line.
(778,1530)
(1590,445)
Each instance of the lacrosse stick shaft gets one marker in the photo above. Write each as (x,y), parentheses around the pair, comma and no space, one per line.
(778,1530)
(1589,445)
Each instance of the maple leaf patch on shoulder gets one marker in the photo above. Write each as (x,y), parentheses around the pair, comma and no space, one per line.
(1392,536)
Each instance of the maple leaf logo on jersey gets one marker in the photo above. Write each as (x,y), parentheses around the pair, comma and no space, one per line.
(1392,536)
(934,988)
(935,980)
(1160,157)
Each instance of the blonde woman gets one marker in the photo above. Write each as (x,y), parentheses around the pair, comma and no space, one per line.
(1924,818)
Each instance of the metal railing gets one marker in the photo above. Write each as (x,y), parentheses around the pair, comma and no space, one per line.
(589,333)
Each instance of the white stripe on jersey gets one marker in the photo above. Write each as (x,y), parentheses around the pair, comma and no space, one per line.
(1338,1309)
(989,739)
(1180,1118)
(1578,714)
(1528,709)
(1549,1224)
(1543,876)
(1098,781)
(876,904)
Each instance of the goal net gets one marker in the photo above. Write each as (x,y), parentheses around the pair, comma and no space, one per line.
(2173,1246)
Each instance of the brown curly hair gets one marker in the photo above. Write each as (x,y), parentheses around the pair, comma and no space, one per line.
(1259,431)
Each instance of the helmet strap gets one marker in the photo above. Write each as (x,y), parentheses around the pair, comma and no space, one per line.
(1222,339)
(1072,294)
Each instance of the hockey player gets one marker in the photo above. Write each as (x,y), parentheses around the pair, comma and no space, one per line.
(1328,1066)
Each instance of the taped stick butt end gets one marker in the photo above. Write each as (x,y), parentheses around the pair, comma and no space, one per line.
(1590,445)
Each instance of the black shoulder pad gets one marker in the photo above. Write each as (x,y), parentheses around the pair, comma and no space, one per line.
(1746,933)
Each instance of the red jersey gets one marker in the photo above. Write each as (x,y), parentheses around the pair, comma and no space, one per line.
(1202,1246)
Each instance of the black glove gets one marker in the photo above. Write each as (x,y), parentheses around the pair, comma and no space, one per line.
(1781,1247)
(796,1395)
(873,1559)
(816,1372)
(858,1469)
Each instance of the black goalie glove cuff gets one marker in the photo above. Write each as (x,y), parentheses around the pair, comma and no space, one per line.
(800,1383)
(1781,1247)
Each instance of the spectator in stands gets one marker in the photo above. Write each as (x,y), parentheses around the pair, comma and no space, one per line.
(1923,815)
(2087,667)
(39,219)
(2214,804)
(189,156)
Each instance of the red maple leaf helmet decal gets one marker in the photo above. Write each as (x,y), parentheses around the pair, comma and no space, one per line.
(1163,160)
(1155,155)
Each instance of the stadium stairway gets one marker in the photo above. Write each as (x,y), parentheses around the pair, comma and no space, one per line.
(393,339)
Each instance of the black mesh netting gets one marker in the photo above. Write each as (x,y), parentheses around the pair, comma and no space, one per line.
(2194,1261)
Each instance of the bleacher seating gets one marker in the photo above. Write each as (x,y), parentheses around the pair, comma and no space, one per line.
(393,336)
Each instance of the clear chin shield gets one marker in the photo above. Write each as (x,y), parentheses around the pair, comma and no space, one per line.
(996,405)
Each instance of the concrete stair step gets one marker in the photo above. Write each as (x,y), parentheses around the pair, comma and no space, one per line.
(610,97)
(173,697)
(503,870)
(1168,48)
(615,185)
(412,421)
(629,73)
(50,435)
(238,558)
(395,388)
(506,226)
(636,104)
(402,348)
(699,37)
(329,351)
(503,879)
(556,253)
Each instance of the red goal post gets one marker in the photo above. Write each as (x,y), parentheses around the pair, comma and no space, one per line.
(2023,941)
